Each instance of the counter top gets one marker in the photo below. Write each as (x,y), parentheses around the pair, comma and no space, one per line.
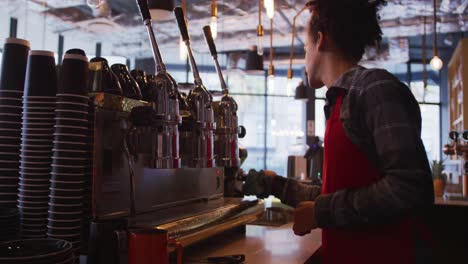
(441,201)
(259,244)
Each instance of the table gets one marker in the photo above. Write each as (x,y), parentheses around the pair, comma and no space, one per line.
(259,244)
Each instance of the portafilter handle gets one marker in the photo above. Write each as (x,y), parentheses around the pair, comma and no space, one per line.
(211,45)
(146,15)
(182,23)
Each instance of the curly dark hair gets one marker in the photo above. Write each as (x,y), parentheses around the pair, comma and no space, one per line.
(353,25)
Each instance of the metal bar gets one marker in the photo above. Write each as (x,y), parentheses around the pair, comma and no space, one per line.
(13,27)
(61,41)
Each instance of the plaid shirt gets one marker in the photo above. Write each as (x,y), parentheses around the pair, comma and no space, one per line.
(381,116)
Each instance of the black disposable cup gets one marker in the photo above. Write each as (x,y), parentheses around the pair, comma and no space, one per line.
(73,98)
(64,145)
(32,210)
(74,73)
(35,176)
(11,117)
(29,191)
(8,197)
(73,115)
(11,99)
(10,140)
(64,206)
(32,187)
(36,145)
(33,137)
(40,100)
(71,130)
(63,219)
(9,164)
(72,106)
(70,154)
(11,156)
(8,180)
(11,109)
(67,193)
(67,181)
(12,148)
(14,63)
(10,130)
(38,117)
(81,166)
(75,139)
(71,122)
(10,125)
(10,96)
(24,181)
(38,199)
(57,169)
(68,230)
(41,76)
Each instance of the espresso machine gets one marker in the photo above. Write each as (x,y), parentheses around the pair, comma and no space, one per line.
(459,147)
(162,162)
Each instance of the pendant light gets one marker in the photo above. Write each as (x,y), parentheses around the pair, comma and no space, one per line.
(291,54)
(254,62)
(270,8)
(436,62)
(260,30)
(214,19)
(182,46)
(424,54)
(161,10)
(301,92)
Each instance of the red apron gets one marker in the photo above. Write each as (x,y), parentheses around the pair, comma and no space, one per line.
(346,166)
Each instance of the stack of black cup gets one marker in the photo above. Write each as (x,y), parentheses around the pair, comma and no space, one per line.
(70,148)
(15,57)
(36,143)
(36,251)
(9,224)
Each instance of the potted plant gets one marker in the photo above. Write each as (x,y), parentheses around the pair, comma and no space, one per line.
(439,177)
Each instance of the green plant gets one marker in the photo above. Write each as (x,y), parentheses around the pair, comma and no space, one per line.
(437,170)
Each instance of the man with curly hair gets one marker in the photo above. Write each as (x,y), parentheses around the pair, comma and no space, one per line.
(376,176)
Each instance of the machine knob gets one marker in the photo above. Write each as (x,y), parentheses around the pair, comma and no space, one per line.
(242,132)
(453,135)
(465,135)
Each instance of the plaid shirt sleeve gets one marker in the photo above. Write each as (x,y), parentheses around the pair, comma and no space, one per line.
(391,117)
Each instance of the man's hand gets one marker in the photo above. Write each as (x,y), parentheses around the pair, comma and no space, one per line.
(304,218)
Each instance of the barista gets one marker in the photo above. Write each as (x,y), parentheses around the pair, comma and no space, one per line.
(377,179)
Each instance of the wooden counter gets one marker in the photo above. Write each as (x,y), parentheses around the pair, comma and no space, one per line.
(440,201)
(259,244)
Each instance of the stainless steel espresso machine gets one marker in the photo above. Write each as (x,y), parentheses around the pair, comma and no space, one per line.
(155,167)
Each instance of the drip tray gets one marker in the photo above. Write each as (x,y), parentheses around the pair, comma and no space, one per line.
(195,222)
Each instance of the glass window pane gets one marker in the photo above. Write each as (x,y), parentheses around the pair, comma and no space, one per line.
(286,130)
(282,86)
(320,118)
(320,93)
(239,82)
(251,116)
(430,133)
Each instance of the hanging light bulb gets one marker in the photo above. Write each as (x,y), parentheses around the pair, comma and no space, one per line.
(436,63)
(289,88)
(214,19)
(260,40)
(271,84)
(260,30)
(182,50)
(93,3)
(214,26)
(270,8)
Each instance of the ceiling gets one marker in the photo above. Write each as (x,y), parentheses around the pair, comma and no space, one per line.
(118,22)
